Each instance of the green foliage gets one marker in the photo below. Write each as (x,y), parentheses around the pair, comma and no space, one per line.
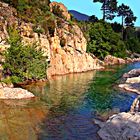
(38,30)
(116,27)
(109,8)
(56,10)
(104,41)
(132,39)
(23,62)
(22,5)
(70,22)
(127,15)
(93,18)
(62,42)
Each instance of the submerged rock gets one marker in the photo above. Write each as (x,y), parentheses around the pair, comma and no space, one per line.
(15,93)
(123,126)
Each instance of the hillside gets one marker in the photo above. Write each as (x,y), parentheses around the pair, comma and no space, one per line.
(61,40)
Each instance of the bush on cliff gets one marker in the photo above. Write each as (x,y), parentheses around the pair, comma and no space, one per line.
(23,62)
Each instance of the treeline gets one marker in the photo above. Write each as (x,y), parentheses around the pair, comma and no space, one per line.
(116,39)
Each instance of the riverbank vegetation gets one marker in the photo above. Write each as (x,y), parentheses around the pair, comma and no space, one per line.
(23,62)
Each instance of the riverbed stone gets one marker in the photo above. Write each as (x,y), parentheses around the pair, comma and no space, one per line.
(15,93)
(123,126)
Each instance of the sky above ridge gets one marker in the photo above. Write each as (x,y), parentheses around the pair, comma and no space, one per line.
(90,8)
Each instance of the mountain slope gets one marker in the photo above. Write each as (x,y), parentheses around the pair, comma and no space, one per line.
(79,16)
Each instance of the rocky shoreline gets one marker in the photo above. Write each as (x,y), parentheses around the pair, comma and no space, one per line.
(124,126)
(131,81)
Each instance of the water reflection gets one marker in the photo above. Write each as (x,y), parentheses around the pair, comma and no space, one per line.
(63,92)
(102,96)
(20,121)
(65,107)
(69,118)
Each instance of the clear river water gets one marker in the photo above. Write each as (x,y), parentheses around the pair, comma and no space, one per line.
(66,106)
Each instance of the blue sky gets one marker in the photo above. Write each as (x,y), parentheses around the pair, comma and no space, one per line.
(90,8)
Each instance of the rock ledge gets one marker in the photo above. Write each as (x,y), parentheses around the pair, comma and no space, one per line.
(123,126)
(15,93)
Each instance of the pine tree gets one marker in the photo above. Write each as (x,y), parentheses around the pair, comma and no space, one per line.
(127,16)
(109,8)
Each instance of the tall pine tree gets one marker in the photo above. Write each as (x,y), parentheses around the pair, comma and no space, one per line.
(109,8)
(127,15)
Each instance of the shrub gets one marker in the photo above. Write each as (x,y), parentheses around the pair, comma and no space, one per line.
(23,62)
(103,41)
(38,30)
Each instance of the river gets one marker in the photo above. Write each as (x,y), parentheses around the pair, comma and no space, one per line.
(66,106)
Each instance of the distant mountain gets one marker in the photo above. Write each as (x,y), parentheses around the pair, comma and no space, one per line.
(79,16)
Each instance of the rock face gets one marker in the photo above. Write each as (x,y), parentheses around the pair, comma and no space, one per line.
(62,7)
(123,126)
(69,61)
(65,48)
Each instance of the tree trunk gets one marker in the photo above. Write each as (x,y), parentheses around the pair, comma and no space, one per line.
(104,10)
(122,27)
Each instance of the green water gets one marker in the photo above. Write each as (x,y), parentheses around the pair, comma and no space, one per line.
(66,106)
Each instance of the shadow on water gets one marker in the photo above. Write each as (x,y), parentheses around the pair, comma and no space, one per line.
(66,107)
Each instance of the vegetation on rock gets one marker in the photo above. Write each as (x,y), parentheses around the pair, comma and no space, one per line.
(23,62)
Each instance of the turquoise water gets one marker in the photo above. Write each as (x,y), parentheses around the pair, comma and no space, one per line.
(66,106)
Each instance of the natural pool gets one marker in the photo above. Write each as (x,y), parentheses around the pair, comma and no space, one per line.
(66,107)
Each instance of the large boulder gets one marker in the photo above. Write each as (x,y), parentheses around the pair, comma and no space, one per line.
(131,81)
(132,73)
(123,126)
(15,93)
(135,87)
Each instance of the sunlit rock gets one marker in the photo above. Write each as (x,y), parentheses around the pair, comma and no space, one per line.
(133,80)
(112,60)
(14,93)
(62,7)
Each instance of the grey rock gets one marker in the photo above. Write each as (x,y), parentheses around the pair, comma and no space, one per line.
(123,126)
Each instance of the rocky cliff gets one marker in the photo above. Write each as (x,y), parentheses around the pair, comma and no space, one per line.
(65,47)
